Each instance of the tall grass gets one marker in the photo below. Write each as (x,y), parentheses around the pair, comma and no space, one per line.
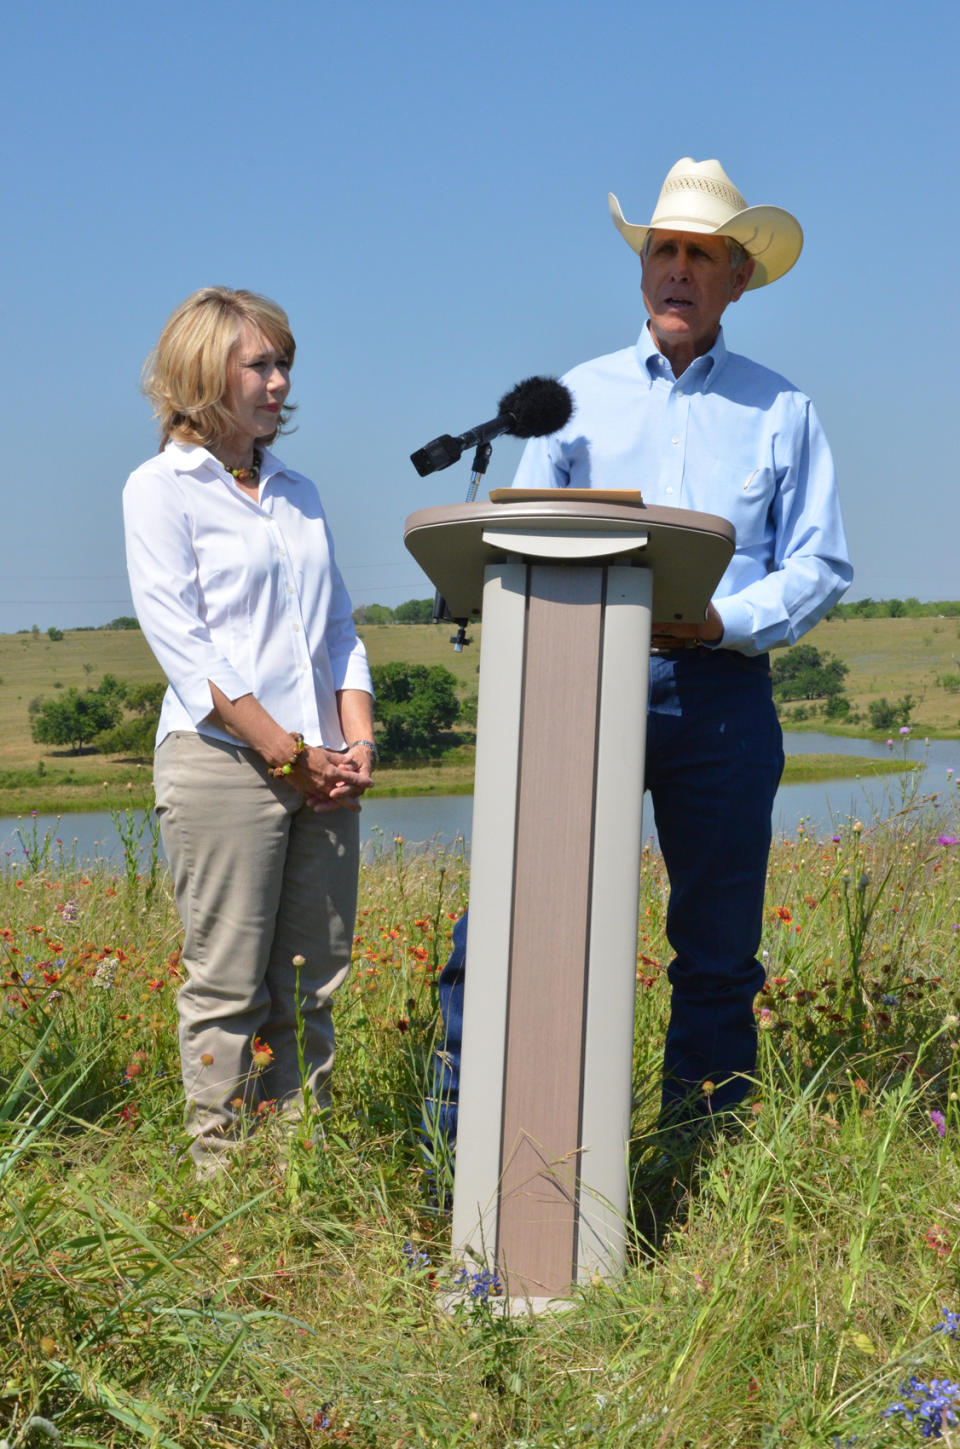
(782,1285)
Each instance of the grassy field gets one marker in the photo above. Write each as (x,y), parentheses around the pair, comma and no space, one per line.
(887,657)
(788,1284)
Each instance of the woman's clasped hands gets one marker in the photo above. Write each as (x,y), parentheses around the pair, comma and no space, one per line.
(332,779)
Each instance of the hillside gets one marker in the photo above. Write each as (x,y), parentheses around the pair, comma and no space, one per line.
(890,657)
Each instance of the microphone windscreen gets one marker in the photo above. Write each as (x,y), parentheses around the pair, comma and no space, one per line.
(540,406)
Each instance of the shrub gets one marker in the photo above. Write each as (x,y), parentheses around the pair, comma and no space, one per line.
(414,705)
(886,716)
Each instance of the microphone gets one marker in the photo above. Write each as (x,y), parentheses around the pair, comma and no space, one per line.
(535,407)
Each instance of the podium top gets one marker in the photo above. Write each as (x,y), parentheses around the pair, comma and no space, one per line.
(686,551)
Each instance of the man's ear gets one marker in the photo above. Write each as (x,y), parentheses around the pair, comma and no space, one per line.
(741,277)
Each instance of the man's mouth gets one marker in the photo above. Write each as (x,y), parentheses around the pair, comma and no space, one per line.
(677,302)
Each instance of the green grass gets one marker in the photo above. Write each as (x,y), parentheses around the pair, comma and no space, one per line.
(889,658)
(778,1291)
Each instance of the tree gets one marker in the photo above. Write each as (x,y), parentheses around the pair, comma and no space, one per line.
(54,634)
(74,717)
(886,716)
(803,673)
(415,704)
(136,735)
(414,611)
(124,621)
(373,614)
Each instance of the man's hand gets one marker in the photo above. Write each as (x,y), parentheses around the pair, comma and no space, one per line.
(666,636)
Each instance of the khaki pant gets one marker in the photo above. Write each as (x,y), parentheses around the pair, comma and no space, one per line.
(259,878)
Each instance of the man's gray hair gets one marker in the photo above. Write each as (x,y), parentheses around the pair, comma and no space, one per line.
(737,253)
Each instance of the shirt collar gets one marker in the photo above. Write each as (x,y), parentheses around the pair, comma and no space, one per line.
(192,458)
(703,370)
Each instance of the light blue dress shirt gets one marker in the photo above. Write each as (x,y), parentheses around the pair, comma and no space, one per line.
(727,437)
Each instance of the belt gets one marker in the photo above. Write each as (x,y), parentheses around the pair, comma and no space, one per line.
(681,646)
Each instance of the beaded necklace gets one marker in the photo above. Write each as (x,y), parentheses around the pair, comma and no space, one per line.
(247,475)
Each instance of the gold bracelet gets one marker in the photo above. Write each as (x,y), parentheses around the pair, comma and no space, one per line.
(278,771)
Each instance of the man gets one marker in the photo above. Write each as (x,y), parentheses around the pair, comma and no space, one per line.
(695,426)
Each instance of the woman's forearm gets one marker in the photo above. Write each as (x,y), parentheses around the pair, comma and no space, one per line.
(355,707)
(249,722)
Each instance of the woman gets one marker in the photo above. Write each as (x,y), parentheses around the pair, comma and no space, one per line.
(265,741)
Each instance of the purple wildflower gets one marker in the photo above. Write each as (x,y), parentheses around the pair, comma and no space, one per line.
(947,839)
(939,1121)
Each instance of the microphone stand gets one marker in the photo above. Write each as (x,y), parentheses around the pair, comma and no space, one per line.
(481,459)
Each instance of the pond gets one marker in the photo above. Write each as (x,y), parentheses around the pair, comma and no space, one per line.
(444,819)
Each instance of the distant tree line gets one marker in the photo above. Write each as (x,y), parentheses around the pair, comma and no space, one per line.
(896,609)
(123,621)
(414,611)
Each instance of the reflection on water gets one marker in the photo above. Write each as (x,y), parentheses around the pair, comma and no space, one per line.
(445,819)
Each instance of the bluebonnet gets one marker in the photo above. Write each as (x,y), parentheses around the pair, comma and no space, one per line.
(483,1285)
(950,1324)
(415,1258)
(931,1405)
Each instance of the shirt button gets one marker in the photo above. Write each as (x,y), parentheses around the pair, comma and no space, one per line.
(289,588)
(296,628)
(674,440)
(669,490)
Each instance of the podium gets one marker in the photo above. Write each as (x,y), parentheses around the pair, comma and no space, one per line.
(568,584)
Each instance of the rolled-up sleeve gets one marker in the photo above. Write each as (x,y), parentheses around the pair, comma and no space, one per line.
(163,583)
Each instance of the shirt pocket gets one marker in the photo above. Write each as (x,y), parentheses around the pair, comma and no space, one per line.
(744,495)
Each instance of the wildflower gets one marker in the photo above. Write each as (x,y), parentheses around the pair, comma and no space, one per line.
(783,914)
(835,839)
(106,973)
(938,1240)
(863,882)
(858,827)
(940,1122)
(414,1257)
(299,960)
(904,729)
(950,1325)
(947,839)
(262,1054)
(482,1285)
(708,1088)
(70,911)
(930,1404)
(207,1059)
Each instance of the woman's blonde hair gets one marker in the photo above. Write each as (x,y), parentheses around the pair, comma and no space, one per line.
(187,375)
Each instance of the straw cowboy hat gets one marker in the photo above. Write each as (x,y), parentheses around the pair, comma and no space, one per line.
(699,196)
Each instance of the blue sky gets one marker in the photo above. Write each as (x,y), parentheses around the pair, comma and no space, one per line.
(423,187)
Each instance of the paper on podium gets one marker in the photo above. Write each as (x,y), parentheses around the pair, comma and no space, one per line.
(577,495)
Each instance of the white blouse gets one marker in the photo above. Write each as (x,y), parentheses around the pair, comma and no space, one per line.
(246,594)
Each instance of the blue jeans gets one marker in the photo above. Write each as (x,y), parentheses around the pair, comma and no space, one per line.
(713,763)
